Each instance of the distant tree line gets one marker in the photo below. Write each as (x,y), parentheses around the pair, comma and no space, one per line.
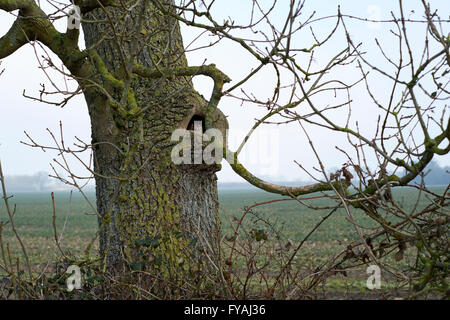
(435,175)
(38,182)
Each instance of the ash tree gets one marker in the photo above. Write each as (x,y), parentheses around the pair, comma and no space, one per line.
(138,86)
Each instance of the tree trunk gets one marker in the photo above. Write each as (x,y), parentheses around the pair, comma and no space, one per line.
(150,209)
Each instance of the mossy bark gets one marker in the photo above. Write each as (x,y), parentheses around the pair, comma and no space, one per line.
(150,209)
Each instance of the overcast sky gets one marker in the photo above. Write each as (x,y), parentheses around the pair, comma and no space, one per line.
(270,153)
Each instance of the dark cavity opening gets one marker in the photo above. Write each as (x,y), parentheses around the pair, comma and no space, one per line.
(194,119)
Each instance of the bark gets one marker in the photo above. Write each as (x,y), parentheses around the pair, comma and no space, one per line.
(151,210)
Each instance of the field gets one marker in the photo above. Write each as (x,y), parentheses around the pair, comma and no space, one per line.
(76,224)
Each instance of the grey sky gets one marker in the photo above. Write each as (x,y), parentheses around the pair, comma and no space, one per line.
(270,153)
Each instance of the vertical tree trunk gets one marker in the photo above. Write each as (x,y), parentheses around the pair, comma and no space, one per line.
(150,208)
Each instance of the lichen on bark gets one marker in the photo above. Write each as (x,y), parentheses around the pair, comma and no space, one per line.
(158,210)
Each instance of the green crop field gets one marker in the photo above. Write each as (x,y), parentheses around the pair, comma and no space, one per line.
(76,222)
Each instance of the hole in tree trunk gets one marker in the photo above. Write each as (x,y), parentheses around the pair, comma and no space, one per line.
(196,120)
